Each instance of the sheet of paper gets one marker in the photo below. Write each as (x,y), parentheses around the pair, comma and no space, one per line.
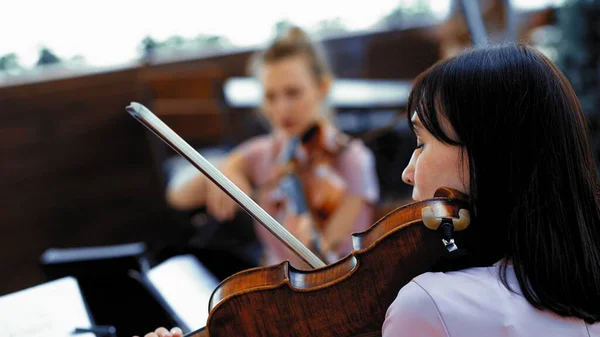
(52,309)
(186,286)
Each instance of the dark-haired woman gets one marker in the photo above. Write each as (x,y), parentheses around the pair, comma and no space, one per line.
(503,125)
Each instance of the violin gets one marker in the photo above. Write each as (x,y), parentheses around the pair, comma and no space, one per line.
(324,187)
(306,182)
(347,298)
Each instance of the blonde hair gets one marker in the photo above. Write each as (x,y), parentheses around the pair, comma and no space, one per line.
(292,43)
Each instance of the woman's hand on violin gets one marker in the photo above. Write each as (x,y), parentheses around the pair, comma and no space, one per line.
(162,332)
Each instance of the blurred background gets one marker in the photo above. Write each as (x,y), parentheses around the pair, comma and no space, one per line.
(78,172)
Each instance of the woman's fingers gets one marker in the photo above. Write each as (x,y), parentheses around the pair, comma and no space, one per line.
(160,332)
(163,332)
(176,332)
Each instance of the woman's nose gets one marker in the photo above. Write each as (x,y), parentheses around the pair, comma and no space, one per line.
(281,107)
(408,175)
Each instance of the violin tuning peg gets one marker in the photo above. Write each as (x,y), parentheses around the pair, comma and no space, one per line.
(463,221)
(445,226)
(429,219)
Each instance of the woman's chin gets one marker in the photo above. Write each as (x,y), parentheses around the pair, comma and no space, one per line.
(417,196)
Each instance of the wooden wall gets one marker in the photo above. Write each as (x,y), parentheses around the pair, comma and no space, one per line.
(77,170)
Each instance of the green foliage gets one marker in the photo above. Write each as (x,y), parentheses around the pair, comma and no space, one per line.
(403,14)
(10,62)
(150,45)
(281,27)
(331,26)
(47,57)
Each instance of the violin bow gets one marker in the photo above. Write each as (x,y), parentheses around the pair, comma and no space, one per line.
(167,135)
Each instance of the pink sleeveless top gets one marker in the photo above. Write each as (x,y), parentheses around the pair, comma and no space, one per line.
(356,166)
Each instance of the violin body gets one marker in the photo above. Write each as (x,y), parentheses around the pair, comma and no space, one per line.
(324,187)
(325,190)
(347,298)
(306,182)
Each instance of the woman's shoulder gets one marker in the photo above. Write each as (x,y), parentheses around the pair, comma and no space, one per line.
(474,302)
(356,147)
(468,280)
(456,293)
(439,300)
(356,154)
(472,292)
(356,163)
(258,155)
(259,142)
(414,313)
(260,150)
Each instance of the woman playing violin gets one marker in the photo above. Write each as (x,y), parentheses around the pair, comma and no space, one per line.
(336,176)
(504,126)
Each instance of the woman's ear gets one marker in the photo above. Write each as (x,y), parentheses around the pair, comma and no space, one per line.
(325,85)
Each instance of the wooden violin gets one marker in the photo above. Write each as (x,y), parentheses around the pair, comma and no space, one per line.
(324,187)
(306,182)
(347,298)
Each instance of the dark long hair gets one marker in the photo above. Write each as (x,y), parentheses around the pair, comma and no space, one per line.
(533,183)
